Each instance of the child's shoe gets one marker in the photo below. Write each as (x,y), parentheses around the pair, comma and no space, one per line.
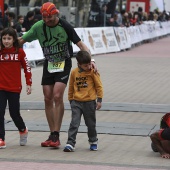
(69,148)
(23,137)
(2,144)
(93,147)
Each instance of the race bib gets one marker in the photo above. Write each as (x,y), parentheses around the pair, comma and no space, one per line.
(54,67)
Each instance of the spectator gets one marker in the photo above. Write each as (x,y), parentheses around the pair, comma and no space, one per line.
(101,18)
(1,29)
(11,19)
(150,16)
(134,20)
(1,19)
(140,15)
(93,14)
(18,26)
(29,20)
(125,20)
(120,17)
(145,16)
(161,138)
(5,18)
(38,15)
(115,23)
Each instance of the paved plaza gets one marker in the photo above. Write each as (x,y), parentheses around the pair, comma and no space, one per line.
(136,95)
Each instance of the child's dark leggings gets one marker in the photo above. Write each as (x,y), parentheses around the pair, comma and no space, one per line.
(14,110)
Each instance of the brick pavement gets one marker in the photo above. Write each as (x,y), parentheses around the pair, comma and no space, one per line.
(139,75)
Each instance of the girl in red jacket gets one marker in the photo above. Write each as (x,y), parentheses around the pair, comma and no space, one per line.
(12,58)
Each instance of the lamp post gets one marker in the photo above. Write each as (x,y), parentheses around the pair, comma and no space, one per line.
(17,4)
(120,5)
(164,4)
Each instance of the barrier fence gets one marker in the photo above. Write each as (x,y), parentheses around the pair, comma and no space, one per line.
(107,39)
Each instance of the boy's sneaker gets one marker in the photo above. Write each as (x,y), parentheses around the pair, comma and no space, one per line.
(55,141)
(47,142)
(69,148)
(93,147)
(2,144)
(23,137)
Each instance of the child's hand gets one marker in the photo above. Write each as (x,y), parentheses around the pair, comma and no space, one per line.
(28,89)
(99,105)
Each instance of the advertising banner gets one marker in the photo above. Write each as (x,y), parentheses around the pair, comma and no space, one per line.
(133,5)
(122,38)
(109,39)
(95,41)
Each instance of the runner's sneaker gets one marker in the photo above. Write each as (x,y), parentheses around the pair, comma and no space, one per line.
(47,142)
(23,137)
(55,141)
(2,144)
(69,148)
(93,147)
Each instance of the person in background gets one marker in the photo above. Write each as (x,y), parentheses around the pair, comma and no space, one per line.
(18,26)
(1,29)
(134,20)
(28,20)
(5,17)
(1,19)
(55,36)
(12,58)
(11,19)
(38,15)
(120,17)
(85,87)
(115,23)
(140,15)
(161,138)
(126,20)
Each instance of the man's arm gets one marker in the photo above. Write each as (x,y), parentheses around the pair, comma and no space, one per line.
(82,46)
(157,142)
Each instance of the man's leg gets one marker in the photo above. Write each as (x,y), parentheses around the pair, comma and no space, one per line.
(54,108)
(54,85)
(48,99)
(58,93)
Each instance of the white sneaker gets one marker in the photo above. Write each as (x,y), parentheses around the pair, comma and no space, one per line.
(2,144)
(23,137)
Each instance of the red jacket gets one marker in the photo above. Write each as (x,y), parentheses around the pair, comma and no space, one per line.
(10,69)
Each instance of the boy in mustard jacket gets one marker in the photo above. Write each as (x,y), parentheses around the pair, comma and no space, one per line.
(85,87)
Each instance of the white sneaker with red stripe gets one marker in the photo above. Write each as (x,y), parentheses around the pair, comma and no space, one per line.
(23,137)
(2,144)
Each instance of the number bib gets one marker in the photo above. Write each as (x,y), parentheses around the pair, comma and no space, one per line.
(54,67)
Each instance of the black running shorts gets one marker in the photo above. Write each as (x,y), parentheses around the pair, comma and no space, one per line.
(51,78)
